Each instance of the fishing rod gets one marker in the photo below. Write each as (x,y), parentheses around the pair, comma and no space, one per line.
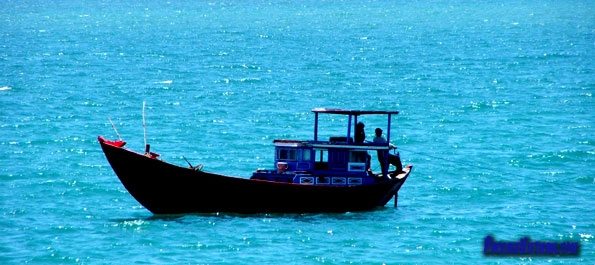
(114,126)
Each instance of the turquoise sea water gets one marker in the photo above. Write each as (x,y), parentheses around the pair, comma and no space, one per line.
(496,117)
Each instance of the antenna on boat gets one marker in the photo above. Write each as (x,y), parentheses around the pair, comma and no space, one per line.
(147,147)
(114,126)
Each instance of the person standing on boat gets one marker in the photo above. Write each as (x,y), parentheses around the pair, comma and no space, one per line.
(394,160)
(360,135)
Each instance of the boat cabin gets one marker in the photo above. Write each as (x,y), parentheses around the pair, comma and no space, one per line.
(338,161)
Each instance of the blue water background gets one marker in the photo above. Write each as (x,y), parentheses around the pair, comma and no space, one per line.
(496,104)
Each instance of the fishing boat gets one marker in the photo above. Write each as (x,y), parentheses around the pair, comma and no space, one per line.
(308,176)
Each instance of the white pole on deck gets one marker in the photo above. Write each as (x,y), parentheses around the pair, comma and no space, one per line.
(145,129)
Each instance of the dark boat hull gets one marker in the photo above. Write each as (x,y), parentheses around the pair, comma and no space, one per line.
(164,188)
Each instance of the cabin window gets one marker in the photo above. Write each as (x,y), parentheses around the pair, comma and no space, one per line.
(321,156)
(321,162)
(358,156)
(287,154)
(306,155)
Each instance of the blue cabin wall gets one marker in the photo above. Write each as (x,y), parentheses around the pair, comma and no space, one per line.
(297,158)
(306,165)
(348,162)
(339,166)
(306,159)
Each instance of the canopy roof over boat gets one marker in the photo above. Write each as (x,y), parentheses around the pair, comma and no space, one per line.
(353,112)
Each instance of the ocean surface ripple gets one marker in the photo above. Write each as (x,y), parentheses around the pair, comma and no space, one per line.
(496,102)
